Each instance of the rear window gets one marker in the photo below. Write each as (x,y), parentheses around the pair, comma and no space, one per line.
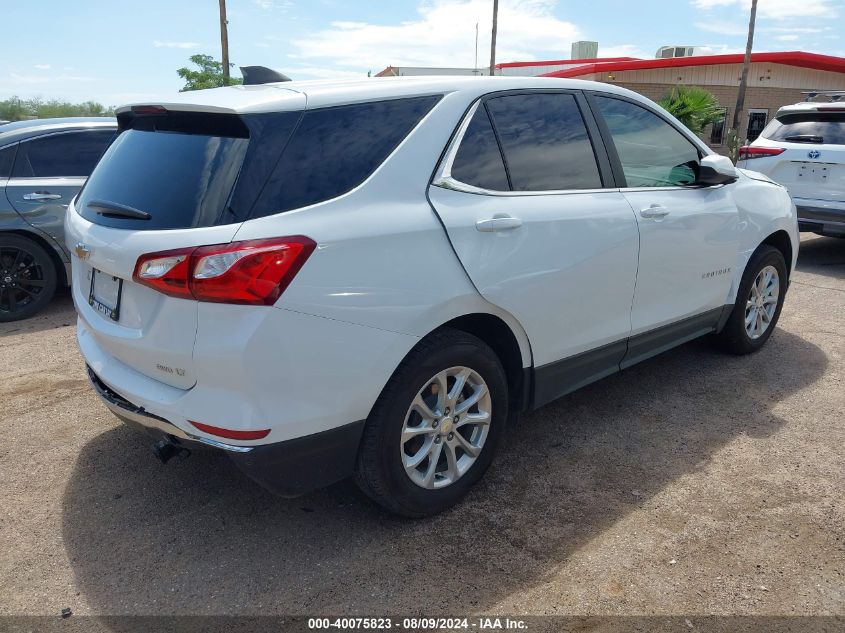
(813,127)
(193,170)
(181,180)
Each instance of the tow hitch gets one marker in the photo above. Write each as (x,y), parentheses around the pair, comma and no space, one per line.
(166,450)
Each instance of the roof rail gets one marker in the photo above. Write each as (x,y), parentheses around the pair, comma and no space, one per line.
(833,95)
(256,75)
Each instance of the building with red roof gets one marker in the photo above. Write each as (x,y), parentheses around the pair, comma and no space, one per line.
(774,80)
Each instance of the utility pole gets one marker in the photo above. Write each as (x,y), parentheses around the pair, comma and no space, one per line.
(475,67)
(224,39)
(493,38)
(733,133)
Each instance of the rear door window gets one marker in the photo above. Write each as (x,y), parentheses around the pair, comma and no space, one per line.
(63,155)
(478,161)
(333,150)
(545,142)
(7,157)
(820,128)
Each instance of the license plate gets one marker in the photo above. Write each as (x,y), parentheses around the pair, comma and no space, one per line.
(105,292)
(813,172)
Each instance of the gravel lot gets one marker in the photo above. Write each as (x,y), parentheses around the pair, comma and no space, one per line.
(695,483)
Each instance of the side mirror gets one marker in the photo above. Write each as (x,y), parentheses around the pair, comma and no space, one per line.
(716,170)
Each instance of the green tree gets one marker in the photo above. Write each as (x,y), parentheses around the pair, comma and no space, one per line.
(693,106)
(209,75)
(17,109)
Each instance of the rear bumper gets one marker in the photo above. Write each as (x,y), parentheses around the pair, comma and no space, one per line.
(821,216)
(288,469)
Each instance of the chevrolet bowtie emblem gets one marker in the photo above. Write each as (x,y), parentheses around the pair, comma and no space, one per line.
(82,251)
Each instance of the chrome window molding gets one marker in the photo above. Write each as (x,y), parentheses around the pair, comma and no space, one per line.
(34,181)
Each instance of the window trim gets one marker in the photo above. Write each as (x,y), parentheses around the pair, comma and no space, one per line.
(610,146)
(98,128)
(443,172)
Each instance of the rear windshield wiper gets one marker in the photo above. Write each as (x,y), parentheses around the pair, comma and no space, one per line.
(804,138)
(115,210)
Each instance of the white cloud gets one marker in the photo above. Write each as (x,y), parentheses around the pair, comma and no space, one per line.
(788,38)
(271,5)
(776,9)
(444,35)
(160,44)
(42,66)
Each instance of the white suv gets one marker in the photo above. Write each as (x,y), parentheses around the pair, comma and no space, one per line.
(803,148)
(369,277)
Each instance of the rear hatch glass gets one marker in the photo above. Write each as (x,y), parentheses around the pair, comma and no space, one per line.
(818,128)
(176,170)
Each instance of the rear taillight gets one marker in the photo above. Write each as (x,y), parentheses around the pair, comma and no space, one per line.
(255,272)
(166,271)
(748,152)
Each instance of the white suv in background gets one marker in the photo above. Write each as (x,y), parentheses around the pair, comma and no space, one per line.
(803,148)
(369,277)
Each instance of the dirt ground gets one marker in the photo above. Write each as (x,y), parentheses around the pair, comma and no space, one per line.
(694,483)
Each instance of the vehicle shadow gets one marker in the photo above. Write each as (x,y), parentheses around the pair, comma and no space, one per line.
(198,537)
(59,313)
(822,256)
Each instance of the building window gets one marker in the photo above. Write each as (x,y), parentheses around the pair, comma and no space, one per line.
(717,130)
(757,119)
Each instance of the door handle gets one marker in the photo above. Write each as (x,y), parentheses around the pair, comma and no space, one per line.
(655,211)
(499,222)
(41,196)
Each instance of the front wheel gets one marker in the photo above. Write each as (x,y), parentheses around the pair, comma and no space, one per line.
(758,303)
(435,427)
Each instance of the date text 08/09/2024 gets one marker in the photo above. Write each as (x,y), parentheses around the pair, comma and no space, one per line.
(417,624)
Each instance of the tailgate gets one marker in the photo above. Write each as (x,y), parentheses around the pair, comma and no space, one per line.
(819,175)
(150,332)
(170,180)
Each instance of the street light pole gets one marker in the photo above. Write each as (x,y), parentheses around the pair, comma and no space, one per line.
(493,38)
(224,39)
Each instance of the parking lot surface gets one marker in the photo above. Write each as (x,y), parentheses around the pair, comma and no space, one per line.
(692,483)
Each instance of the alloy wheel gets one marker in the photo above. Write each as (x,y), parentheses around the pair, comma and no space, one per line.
(21,279)
(446,427)
(762,302)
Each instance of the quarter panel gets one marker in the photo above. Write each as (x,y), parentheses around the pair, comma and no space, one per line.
(383,259)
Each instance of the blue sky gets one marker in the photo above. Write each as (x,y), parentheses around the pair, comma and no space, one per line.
(116,51)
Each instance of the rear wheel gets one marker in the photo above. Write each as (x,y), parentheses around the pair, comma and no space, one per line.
(27,278)
(758,303)
(434,429)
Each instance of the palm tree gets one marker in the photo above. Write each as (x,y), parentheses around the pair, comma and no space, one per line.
(693,106)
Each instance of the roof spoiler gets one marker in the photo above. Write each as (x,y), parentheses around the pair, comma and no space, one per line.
(256,75)
(833,95)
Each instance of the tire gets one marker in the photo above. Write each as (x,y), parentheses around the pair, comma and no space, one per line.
(28,278)
(736,337)
(385,470)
